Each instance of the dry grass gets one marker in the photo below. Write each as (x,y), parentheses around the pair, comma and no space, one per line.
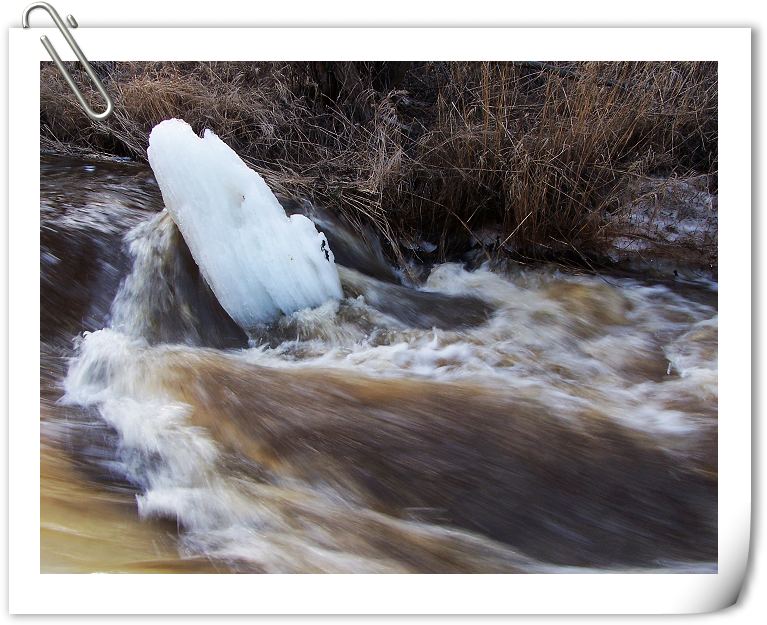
(538,153)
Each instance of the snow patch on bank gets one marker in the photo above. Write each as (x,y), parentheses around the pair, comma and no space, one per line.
(666,221)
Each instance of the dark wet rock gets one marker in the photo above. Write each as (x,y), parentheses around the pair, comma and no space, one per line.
(416,309)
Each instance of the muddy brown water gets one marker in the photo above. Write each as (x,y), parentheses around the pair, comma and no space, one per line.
(497,420)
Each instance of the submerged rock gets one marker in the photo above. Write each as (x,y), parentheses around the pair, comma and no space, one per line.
(416,309)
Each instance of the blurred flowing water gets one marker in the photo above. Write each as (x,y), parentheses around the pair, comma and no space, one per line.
(506,420)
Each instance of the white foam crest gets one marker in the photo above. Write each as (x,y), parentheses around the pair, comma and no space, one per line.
(696,351)
(113,373)
(577,342)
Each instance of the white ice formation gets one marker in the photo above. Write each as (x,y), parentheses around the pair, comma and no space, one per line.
(259,262)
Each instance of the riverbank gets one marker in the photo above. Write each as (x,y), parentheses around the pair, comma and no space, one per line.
(581,163)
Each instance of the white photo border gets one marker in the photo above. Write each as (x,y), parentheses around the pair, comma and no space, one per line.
(33,592)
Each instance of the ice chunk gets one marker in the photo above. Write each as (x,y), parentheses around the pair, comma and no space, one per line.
(258,261)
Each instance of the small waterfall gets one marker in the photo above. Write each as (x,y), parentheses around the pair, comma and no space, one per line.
(165,299)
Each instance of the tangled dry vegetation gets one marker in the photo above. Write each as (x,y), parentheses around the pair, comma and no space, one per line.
(528,158)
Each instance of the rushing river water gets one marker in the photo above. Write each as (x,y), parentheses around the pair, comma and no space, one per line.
(507,420)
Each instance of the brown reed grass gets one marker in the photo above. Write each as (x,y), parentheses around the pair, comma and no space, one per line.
(538,153)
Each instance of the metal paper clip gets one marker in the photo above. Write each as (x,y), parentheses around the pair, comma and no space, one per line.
(78,53)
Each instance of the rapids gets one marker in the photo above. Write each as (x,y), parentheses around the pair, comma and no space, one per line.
(498,419)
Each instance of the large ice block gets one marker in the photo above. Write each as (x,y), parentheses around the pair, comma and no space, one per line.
(258,261)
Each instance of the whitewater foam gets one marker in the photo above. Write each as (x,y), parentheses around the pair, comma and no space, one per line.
(583,345)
